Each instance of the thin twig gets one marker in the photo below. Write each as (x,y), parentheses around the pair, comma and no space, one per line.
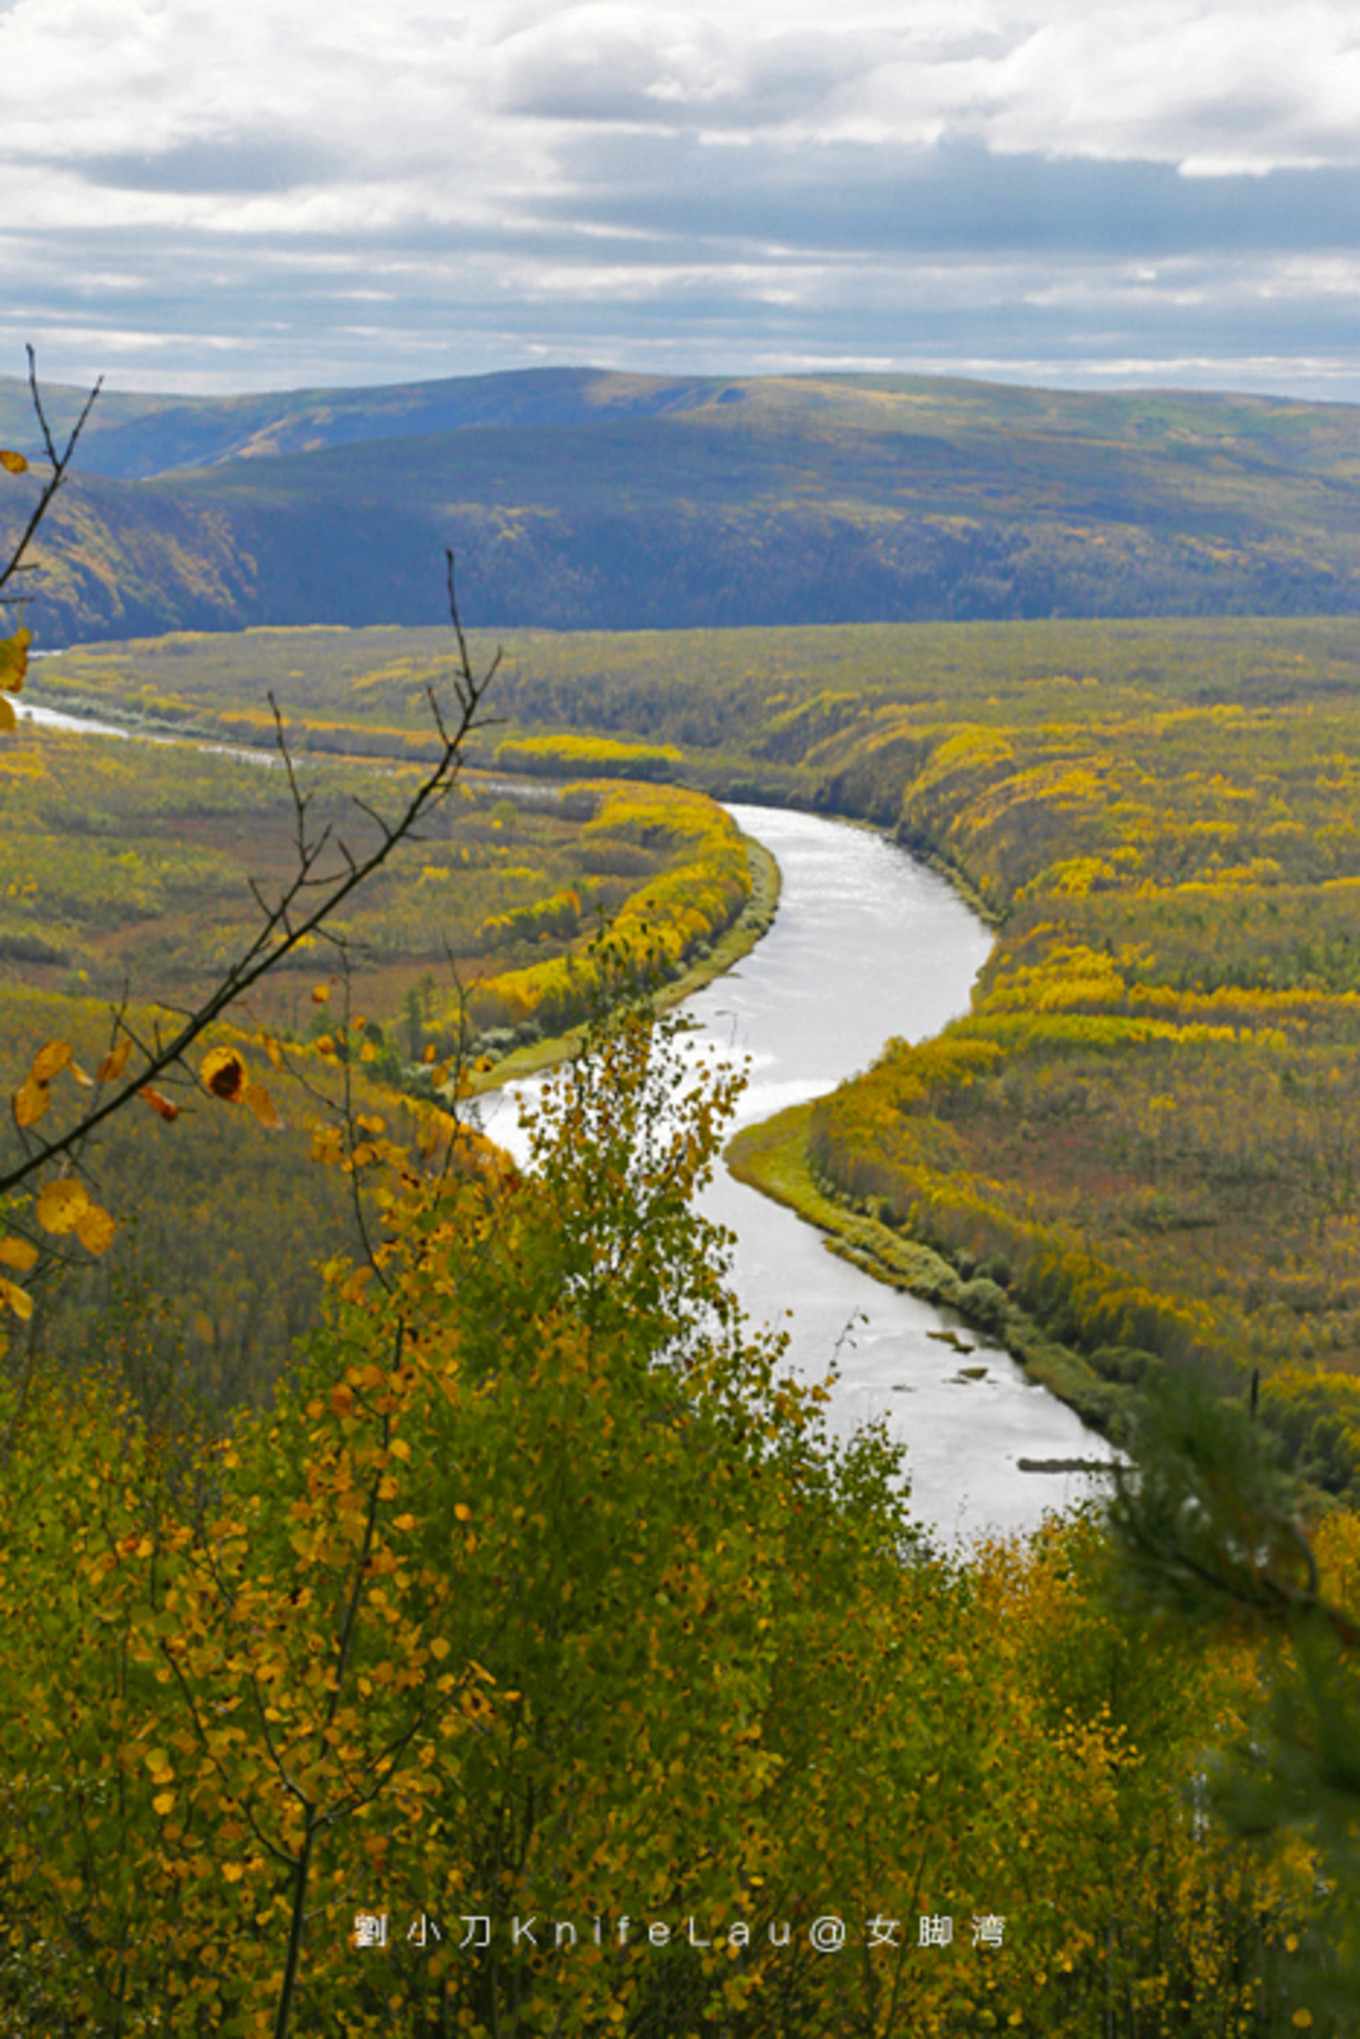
(60,464)
(287,925)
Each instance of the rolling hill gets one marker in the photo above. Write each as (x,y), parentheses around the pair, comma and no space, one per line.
(578,499)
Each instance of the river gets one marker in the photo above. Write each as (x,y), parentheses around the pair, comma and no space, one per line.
(867,943)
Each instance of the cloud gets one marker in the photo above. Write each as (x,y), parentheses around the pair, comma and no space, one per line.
(330,189)
(627,66)
(259,162)
(849,198)
(1234,85)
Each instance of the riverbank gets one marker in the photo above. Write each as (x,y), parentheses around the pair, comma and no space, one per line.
(865,939)
(772,1157)
(754,921)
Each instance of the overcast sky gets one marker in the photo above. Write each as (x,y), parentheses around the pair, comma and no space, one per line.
(213,195)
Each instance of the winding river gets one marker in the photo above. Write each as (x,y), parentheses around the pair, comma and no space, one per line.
(866,943)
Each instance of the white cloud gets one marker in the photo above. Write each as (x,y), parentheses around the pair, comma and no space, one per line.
(547,152)
(1170,80)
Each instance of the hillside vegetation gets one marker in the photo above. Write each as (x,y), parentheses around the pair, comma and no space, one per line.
(583,500)
(538,1595)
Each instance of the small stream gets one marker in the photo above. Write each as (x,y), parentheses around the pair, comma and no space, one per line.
(53,718)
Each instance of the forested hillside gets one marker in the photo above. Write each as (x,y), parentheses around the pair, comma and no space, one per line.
(538,1598)
(579,500)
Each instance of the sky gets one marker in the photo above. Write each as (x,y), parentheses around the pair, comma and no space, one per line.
(218,195)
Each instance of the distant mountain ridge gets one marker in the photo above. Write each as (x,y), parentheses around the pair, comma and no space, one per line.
(579,499)
(133,438)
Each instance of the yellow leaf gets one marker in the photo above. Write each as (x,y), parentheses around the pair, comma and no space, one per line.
(113,1064)
(20,1253)
(96,1230)
(51,1060)
(369,1052)
(163,1803)
(13,463)
(14,662)
(272,1050)
(223,1072)
(233,1871)
(85,1082)
(320,993)
(61,1205)
(7,717)
(256,1099)
(16,1299)
(431,1053)
(162,1106)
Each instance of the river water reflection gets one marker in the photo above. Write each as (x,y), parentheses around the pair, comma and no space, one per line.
(868,944)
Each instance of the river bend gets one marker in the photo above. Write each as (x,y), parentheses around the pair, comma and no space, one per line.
(868,943)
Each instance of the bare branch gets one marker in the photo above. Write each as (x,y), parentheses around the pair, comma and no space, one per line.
(293,920)
(60,463)
(463,658)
